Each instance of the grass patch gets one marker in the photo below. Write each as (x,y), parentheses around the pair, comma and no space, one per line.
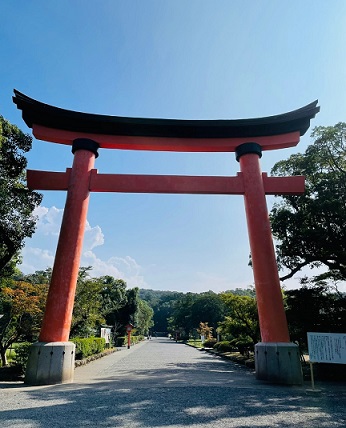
(197,343)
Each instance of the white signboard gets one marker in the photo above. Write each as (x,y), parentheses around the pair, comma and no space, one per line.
(327,347)
(106,334)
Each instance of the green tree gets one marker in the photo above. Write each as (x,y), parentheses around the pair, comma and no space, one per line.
(39,277)
(120,315)
(114,298)
(113,294)
(191,309)
(143,317)
(17,202)
(208,308)
(181,321)
(310,229)
(162,303)
(87,314)
(21,305)
(241,325)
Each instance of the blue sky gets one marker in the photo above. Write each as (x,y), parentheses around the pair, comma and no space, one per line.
(168,59)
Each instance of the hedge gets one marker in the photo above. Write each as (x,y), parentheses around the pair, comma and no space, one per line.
(88,346)
(224,346)
(209,343)
(122,340)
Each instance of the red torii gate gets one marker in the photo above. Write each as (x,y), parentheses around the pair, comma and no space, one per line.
(52,358)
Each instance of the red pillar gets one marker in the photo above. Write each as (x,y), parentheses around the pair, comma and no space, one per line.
(272,318)
(58,314)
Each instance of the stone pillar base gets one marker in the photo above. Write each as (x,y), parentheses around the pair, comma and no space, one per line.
(278,363)
(50,363)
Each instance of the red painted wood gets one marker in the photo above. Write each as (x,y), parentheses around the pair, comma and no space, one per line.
(271,142)
(58,314)
(133,183)
(46,180)
(283,185)
(271,311)
(165,184)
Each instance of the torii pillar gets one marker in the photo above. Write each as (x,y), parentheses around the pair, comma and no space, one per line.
(277,359)
(52,358)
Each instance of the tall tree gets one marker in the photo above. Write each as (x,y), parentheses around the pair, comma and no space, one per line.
(113,294)
(21,306)
(181,320)
(311,229)
(87,315)
(143,317)
(17,202)
(241,322)
(163,303)
(208,308)
(119,315)
(191,309)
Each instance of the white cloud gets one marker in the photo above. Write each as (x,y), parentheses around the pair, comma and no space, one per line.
(121,268)
(49,220)
(36,259)
(93,237)
(39,251)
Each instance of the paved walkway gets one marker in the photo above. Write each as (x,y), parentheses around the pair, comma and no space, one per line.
(160,383)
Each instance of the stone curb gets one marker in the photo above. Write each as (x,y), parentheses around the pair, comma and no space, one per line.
(85,361)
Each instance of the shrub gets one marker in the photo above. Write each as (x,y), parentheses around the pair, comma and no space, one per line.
(122,340)
(244,344)
(136,339)
(209,343)
(21,356)
(88,346)
(224,346)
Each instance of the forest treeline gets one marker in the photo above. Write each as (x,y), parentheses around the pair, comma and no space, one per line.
(106,301)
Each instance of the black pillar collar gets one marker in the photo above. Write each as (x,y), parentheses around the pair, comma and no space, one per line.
(85,144)
(247,148)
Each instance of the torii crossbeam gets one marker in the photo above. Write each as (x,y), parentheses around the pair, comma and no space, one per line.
(277,359)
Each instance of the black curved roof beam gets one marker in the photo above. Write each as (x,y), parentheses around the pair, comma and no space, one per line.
(63,126)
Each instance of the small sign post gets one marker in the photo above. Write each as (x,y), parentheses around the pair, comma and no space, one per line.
(129,328)
(106,334)
(326,348)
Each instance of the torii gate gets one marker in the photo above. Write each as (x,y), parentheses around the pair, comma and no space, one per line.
(52,358)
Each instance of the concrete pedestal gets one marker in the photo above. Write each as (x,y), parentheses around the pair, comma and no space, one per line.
(50,363)
(278,363)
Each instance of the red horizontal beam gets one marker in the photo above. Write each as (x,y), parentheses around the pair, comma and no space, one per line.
(46,180)
(270,142)
(294,185)
(132,183)
(126,183)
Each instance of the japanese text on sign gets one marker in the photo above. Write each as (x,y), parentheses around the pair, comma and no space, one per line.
(327,347)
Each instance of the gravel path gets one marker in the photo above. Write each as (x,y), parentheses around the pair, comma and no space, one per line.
(160,383)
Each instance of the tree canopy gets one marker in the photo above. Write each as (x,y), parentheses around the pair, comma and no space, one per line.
(310,229)
(241,322)
(21,307)
(17,202)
